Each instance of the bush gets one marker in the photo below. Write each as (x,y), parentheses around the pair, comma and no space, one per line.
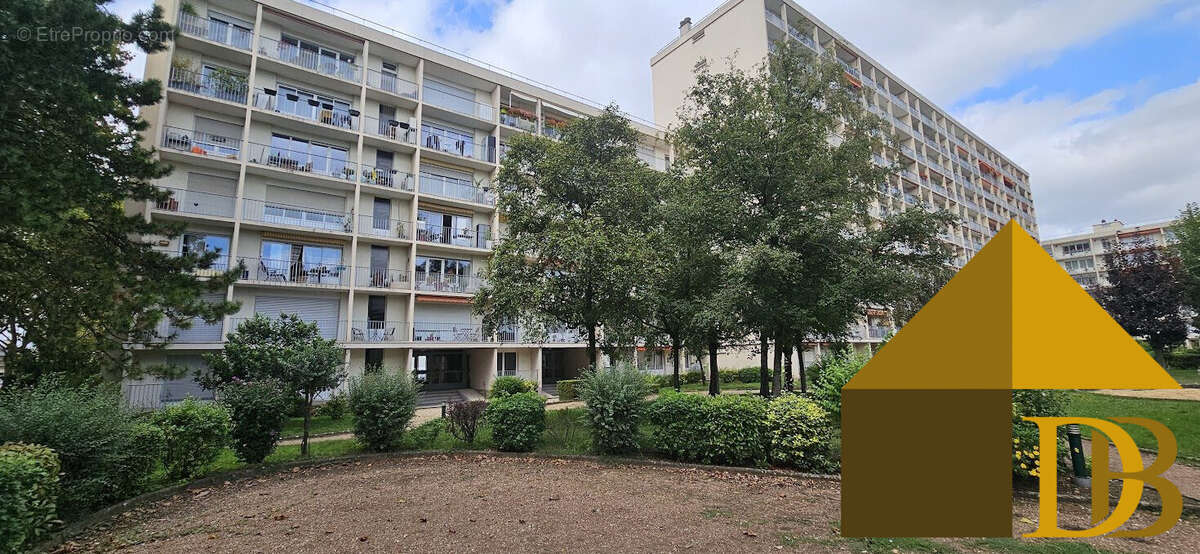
(517,421)
(462,419)
(566,390)
(1184,358)
(729,375)
(504,386)
(28,492)
(334,408)
(656,382)
(692,377)
(800,434)
(258,411)
(1035,403)
(616,399)
(829,375)
(725,429)
(195,433)
(383,404)
(748,374)
(106,454)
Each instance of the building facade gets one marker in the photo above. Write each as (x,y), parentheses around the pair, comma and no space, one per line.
(1082,255)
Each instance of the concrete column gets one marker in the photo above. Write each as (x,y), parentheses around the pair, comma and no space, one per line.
(537,367)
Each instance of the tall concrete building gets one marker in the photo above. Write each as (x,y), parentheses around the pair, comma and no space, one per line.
(351,170)
(942,162)
(1082,255)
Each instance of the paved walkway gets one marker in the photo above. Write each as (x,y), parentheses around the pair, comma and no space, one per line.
(1165,394)
(1186,477)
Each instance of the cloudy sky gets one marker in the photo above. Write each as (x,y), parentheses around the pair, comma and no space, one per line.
(1098,99)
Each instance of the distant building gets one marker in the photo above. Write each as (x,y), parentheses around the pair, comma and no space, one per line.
(1082,255)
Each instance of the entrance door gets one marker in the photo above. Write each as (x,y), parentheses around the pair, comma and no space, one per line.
(441,369)
(552,365)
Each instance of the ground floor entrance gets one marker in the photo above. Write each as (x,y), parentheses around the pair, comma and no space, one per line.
(441,369)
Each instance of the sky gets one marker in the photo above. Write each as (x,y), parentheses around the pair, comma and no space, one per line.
(1099,100)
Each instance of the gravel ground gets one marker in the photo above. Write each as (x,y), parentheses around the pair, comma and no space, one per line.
(491,503)
(1162,394)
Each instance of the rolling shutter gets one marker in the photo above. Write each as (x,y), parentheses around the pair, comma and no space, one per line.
(322,310)
(201,331)
(219,129)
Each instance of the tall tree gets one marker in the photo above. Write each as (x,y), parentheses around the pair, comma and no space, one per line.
(1145,294)
(791,145)
(1187,247)
(571,253)
(77,283)
(287,349)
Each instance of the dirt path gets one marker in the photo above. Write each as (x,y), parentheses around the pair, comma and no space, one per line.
(1165,394)
(1186,477)
(477,503)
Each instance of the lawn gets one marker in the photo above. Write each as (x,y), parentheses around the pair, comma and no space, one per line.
(1182,417)
(1185,376)
(320,425)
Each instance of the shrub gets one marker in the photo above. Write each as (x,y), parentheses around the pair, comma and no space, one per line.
(748,374)
(615,398)
(656,382)
(383,404)
(28,492)
(692,377)
(800,434)
(335,407)
(258,411)
(517,421)
(729,375)
(462,419)
(504,386)
(1184,358)
(566,390)
(106,454)
(195,433)
(725,429)
(1035,403)
(829,375)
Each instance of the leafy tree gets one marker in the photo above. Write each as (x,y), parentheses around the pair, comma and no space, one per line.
(789,147)
(1187,233)
(77,282)
(287,349)
(572,250)
(1145,294)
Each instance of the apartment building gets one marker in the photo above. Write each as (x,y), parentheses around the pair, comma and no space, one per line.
(942,164)
(352,171)
(1082,255)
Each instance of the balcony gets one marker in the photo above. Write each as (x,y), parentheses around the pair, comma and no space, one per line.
(275,213)
(390,129)
(450,236)
(448,187)
(775,20)
(373,226)
(289,272)
(300,161)
(387,177)
(215,31)
(390,82)
(456,104)
(224,87)
(202,144)
(197,203)
(372,331)
(199,332)
(441,141)
(518,118)
(309,59)
(309,109)
(436,282)
(448,332)
(553,128)
(878,331)
(375,278)
(332,329)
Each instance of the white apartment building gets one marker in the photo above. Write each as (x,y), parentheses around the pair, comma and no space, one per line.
(1082,255)
(351,170)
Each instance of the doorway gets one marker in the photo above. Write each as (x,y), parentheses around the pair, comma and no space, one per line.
(441,369)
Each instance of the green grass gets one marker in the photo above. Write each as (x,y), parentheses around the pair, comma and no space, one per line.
(1185,376)
(1182,417)
(1047,547)
(293,428)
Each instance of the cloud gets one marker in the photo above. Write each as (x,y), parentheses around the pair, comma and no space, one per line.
(1091,161)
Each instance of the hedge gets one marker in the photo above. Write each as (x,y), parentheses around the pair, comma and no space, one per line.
(517,421)
(725,429)
(28,495)
(567,390)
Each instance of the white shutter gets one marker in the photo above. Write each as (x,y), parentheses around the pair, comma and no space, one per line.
(201,331)
(212,184)
(306,198)
(310,308)
(178,389)
(219,128)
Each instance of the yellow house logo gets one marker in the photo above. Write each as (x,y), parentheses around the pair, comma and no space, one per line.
(927,423)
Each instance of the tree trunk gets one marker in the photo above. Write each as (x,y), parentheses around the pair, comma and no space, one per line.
(591,348)
(764,362)
(1160,356)
(803,373)
(308,398)
(787,368)
(800,360)
(703,376)
(777,380)
(675,361)
(714,375)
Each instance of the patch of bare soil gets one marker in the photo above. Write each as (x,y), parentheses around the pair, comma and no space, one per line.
(479,503)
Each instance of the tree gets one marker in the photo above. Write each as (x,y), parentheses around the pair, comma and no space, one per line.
(790,148)
(1145,294)
(1187,248)
(572,247)
(287,349)
(78,282)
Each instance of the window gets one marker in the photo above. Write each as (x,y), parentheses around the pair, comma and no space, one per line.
(1076,248)
(315,56)
(444,228)
(374,361)
(506,364)
(309,263)
(1083,264)
(228,30)
(196,242)
(445,138)
(304,155)
(314,106)
(443,274)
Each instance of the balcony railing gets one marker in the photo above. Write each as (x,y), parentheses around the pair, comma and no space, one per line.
(328,328)
(199,332)
(387,177)
(308,59)
(458,104)
(552,131)
(221,87)
(219,265)
(204,144)
(448,332)
(878,331)
(216,31)
(451,236)
(390,129)
(309,109)
(436,282)
(277,213)
(378,331)
(384,227)
(392,83)
(370,277)
(302,161)
(447,187)
(197,203)
(323,274)
(518,118)
(441,141)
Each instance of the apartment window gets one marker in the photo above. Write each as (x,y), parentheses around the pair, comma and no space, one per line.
(443,274)
(229,30)
(1076,248)
(449,96)
(1080,264)
(506,364)
(305,155)
(312,55)
(200,242)
(303,263)
(314,106)
(444,228)
(374,361)
(446,138)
